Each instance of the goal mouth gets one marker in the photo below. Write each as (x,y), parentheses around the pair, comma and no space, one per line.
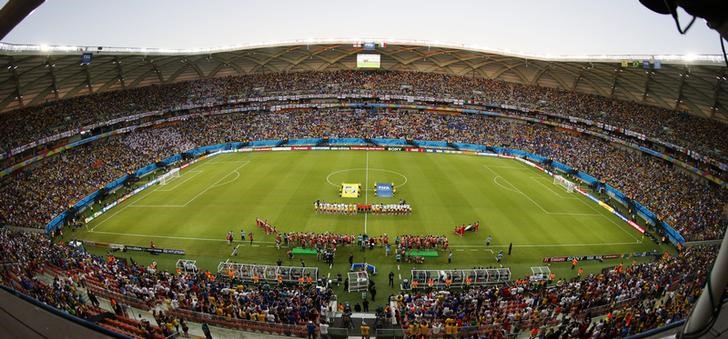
(169,176)
(569,186)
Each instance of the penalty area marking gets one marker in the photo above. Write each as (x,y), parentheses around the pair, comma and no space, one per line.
(218,183)
(178,184)
(515,189)
(559,194)
(590,205)
(109,216)
(366,170)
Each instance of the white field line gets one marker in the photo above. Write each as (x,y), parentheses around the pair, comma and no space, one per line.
(516,190)
(559,194)
(620,225)
(270,243)
(590,205)
(209,187)
(178,184)
(235,170)
(237,175)
(228,161)
(109,216)
(156,206)
(503,166)
(611,219)
(195,170)
(328,177)
(550,245)
(158,236)
(366,191)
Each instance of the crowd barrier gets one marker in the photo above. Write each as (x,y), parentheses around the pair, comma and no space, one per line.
(470,147)
(430,144)
(265,143)
(389,142)
(304,142)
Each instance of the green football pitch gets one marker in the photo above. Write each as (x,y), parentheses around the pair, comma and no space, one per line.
(514,203)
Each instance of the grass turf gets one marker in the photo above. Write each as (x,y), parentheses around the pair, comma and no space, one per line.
(513,202)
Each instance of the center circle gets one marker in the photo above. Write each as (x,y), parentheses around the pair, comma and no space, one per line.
(381,170)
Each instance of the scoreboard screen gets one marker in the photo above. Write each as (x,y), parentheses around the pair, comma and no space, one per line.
(368,60)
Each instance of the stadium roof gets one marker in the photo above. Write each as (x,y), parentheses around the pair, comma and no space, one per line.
(34,74)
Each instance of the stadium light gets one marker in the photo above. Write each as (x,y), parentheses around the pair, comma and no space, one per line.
(710,59)
(690,57)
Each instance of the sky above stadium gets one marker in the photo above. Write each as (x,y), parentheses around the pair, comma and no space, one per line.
(533,27)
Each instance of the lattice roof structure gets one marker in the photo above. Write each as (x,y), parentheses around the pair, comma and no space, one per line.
(33,74)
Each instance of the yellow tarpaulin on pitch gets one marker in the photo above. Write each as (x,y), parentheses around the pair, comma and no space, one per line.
(350,190)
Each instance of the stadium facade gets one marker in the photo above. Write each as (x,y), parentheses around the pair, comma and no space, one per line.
(46,74)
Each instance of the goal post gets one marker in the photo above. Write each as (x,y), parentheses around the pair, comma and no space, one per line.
(565,183)
(167,177)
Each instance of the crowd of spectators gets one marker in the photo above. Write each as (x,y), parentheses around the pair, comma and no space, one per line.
(35,195)
(635,298)
(690,204)
(25,125)
(29,254)
(152,143)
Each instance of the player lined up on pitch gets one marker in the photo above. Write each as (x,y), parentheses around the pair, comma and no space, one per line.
(402,208)
(394,209)
(334,208)
(313,240)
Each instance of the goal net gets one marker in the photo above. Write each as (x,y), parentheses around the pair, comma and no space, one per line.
(167,177)
(563,182)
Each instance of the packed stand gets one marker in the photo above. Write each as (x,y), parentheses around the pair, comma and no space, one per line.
(199,292)
(635,298)
(36,194)
(25,125)
(27,256)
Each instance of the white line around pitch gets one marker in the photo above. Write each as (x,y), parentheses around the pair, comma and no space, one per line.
(515,189)
(158,236)
(478,247)
(552,245)
(178,184)
(130,204)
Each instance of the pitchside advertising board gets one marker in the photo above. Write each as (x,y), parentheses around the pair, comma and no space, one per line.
(600,257)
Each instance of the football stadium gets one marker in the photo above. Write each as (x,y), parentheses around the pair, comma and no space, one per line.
(335,188)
